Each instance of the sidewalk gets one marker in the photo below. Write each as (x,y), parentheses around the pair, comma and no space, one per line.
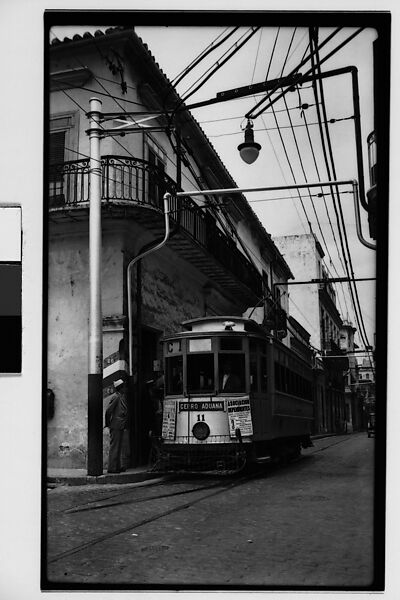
(60,476)
(80,477)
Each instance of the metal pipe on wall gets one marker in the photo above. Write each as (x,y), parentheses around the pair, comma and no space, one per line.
(129,274)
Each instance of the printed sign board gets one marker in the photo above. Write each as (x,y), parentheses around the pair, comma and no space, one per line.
(169,420)
(202,405)
(239,415)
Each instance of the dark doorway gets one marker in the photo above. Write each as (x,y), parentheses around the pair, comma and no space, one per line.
(149,351)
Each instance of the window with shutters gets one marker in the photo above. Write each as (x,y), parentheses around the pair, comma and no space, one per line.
(63,146)
(156,186)
(56,160)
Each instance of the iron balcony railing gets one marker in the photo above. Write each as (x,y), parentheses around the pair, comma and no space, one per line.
(136,180)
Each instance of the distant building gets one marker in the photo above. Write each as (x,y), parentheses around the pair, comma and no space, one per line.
(366,372)
(353,397)
(314,306)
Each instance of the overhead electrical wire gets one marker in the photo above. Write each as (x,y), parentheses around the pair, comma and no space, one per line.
(269,66)
(178,78)
(304,174)
(274,199)
(170,117)
(82,87)
(298,126)
(297,45)
(323,106)
(328,171)
(203,122)
(320,121)
(325,203)
(250,114)
(226,56)
(318,174)
(272,53)
(284,145)
(213,69)
(266,130)
(219,63)
(213,46)
(348,264)
(298,150)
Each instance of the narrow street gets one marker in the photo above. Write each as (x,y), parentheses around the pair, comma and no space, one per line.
(306,524)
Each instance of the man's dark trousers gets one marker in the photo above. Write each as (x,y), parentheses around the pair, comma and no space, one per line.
(114,457)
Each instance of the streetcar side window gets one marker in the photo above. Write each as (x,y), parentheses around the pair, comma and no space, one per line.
(253,373)
(231,369)
(174,375)
(263,373)
(200,373)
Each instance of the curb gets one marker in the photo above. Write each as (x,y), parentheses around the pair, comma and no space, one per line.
(102,479)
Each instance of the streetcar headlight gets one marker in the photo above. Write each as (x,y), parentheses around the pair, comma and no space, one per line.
(201,430)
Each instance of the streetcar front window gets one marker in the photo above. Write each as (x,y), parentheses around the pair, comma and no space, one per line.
(231,368)
(174,375)
(200,373)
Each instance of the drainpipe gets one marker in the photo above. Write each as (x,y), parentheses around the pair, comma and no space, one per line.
(132,263)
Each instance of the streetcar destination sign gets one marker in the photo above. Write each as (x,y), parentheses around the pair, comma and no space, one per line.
(201,406)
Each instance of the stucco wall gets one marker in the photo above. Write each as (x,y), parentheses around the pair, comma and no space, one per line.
(300,253)
(67,356)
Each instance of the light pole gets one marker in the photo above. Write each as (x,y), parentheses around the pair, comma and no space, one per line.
(95,366)
(95,362)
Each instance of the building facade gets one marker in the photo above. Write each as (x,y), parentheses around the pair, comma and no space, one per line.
(218,260)
(367,388)
(313,304)
(353,397)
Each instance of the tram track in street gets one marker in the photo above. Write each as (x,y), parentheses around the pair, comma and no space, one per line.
(218,488)
(96,504)
(156,517)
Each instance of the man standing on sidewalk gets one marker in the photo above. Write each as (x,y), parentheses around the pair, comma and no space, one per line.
(116,418)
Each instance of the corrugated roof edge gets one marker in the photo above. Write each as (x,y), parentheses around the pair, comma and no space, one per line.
(130,29)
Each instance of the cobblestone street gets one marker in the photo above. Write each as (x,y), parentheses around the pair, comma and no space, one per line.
(307,524)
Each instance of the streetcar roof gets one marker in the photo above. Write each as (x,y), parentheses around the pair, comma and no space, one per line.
(222,323)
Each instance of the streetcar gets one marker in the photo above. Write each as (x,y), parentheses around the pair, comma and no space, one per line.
(233,395)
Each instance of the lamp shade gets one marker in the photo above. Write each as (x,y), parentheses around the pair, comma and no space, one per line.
(249,149)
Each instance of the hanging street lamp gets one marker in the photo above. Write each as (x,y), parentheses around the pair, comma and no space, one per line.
(249,149)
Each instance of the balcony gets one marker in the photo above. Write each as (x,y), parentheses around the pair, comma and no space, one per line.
(334,359)
(137,185)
